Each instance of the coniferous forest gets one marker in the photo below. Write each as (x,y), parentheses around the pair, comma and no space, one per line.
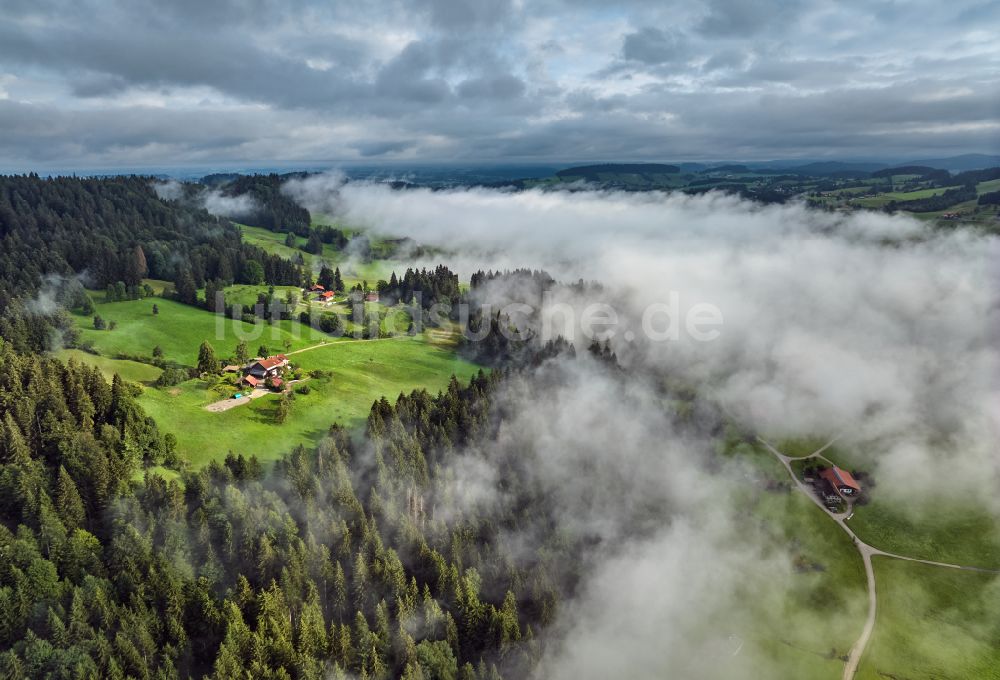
(325,566)
(68,232)
(319,568)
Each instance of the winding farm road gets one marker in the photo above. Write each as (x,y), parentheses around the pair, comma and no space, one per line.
(328,343)
(866,551)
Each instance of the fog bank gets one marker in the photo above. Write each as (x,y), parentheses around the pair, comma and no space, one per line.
(864,325)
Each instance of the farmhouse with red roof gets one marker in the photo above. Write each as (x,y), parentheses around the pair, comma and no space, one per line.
(262,369)
(842,482)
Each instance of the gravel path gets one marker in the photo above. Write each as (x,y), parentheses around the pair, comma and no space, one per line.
(226,404)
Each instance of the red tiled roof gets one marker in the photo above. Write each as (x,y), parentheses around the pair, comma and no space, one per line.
(839,477)
(327,295)
(277,382)
(272,362)
(250,380)
(316,286)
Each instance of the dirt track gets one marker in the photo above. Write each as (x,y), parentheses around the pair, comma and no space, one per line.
(226,404)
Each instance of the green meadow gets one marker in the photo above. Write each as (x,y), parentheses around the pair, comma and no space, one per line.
(362,371)
(246,294)
(931,530)
(927,527)
(132,371)
(802,624)
(351,269)
(180,329)
(821,608)
(883,199)
(933,623)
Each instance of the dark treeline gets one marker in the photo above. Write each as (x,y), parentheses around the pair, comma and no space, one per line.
(319,236)
(976,176)
(541,279)
(274,210)
(595,172)
(496,338)
(110,232)
(426,287)
(990,198)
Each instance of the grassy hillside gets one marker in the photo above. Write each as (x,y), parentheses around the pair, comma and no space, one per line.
(933,623)
(352,269)
(919,526)
(820,610)
(883,199)
(245,294)
(932,531)
(132,371)
(362,372)
(180,329)
(802,624)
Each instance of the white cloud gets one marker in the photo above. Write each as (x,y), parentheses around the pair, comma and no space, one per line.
(212,200)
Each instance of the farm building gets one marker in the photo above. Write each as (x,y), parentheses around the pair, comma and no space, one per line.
(316,288)
(842,482)
(371,297)
(255,383)
(262,369)
(327,296)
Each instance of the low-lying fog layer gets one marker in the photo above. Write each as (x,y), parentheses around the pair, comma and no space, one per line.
(867,326)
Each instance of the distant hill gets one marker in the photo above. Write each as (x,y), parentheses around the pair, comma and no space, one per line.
(595,172)
(732,169)
(905,170)
(692,167)
(923,171)
(219,179)
(969,161)
(836,168)
(815,168)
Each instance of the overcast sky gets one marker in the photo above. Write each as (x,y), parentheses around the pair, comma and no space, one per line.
(136,82)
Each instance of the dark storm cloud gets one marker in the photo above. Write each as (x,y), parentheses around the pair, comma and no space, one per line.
(91,81)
